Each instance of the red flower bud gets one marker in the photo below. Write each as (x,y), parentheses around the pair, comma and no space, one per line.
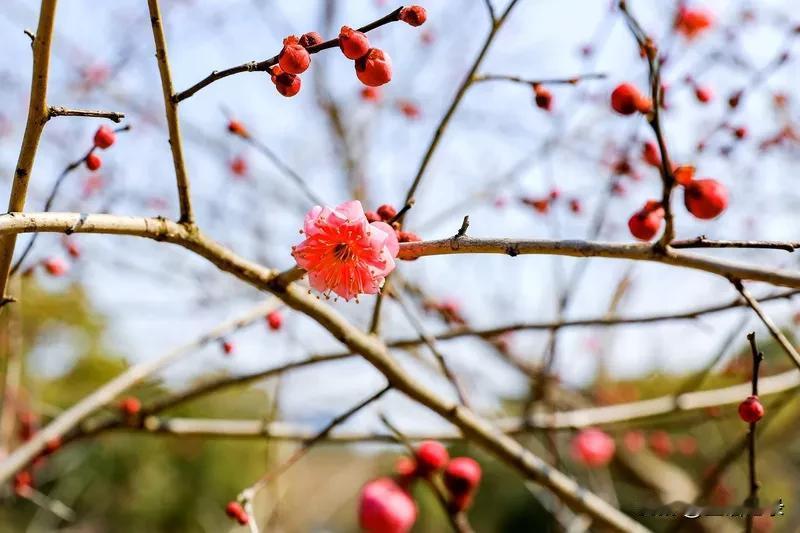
(104,137)
(634,441)
(374,68)
(414,15)
(661,443)
(751,410)
(703,94)
(23,480)
(52,446)
(627,100)
(683,174)
(237,128)
(705,198)
(408,236)
(645,223)
(312,38)
(431,457)
(387,212)
(405,469)
(275,320)
(409,109)
(227,347)
(236,511)
(462,475)
(238,166)
(543,97)
(294,58)
(93,161)
(384,507)
(371,94)
(651,154)
(593,447)
(55,266)
(287,84)
(130,406)
(354,44)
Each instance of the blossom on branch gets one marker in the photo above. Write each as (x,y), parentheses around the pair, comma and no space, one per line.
(343,252)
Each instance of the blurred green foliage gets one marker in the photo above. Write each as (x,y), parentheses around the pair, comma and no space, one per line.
(126,482)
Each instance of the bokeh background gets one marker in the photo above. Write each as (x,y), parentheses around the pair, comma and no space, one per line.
(127,300)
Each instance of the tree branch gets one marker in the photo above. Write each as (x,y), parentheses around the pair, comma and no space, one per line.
(262,66)
(171,110)
(497,23)
(38,114)
(58,111)
(773,329)
(72,417)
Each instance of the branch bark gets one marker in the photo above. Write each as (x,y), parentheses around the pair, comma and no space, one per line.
(38,114)
(171,110)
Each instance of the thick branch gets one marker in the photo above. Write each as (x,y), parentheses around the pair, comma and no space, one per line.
(171,109)
(38,114)
(622,413)
(576,248)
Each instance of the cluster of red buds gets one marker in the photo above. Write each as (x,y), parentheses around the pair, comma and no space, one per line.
(387,213)
(23,480)
(56,266)
(660,442)
(542,204)
(373,66)
(705,198)
(385,504)
(104,138)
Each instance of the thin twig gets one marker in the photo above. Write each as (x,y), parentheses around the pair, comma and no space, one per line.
(249,493)
(284,167)
(490,10)
(429,341)
(469,79)
(574,80)
(58,111)
(702,242)
(261,66)
(752,498)
(48,204)
(650,50)
(773,329)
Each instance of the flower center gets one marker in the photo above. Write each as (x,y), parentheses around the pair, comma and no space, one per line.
(342,252)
